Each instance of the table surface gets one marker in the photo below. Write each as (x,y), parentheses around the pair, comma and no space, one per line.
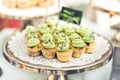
(4,35)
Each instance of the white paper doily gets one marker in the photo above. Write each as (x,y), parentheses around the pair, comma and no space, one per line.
(18,47)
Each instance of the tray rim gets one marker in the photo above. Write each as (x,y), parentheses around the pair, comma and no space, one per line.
(56,70)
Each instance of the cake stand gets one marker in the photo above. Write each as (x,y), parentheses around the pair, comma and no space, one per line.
(25,16)
(55,73)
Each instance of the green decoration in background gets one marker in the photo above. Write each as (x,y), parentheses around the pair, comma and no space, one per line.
(71,15)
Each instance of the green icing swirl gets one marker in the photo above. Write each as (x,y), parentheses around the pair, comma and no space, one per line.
(69,30)
(88,39)
(51,22)
(43,28)
(74,36)
(83,31)
(64,39)
(63,46)
(78,43)
(33,42)
(58,35)
(49,44)
(56,29)
(32,34)
(47,30)
(30,29)
(46,37)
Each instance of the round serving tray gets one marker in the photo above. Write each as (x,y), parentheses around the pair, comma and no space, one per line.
(38,68)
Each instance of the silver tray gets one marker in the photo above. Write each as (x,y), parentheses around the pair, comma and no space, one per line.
(61,71)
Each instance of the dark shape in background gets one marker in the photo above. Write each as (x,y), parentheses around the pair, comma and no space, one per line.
(71,15)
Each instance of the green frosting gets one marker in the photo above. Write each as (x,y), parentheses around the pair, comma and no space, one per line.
(88,39)
(69,30)
(78,43)
(83,31)
(74,36)
(33,42)
(47,30)
(46,37)
(56,29)
(65,39)
(30,29)
(61,36)
(49,44)
(32,34)
(51,22)
(63,46)
(58,35)
(43,28)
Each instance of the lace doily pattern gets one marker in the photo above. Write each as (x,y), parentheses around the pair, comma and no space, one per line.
(18,47)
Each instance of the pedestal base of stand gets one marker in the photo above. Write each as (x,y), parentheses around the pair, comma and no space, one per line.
(57,77)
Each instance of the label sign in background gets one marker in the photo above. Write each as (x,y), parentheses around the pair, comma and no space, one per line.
(71,15)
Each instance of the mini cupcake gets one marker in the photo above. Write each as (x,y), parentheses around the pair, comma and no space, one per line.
(33,46)
(48,46)
(89,40)
(64,53)
(32,31)
(46,37)
(72,37)
(56,29)
(51,23)
(43,28)
(68,29)
(32,41)
(64,37)
(78,45)
(87,37)
(83,31)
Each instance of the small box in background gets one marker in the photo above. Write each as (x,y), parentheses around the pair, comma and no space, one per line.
(10,23)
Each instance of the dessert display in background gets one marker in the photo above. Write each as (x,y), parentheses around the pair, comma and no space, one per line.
(24,4)
(27,10)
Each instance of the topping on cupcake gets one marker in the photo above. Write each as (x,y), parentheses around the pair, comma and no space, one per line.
(33,41)
(68,29)
(78,43)
(46,37)
(83,31)
(48,44)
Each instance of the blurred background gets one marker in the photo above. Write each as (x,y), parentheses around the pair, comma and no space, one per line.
(101,16)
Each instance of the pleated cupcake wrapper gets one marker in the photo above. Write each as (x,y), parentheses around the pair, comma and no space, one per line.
(90,48)
(48,53)
(78,52)
(65,56)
